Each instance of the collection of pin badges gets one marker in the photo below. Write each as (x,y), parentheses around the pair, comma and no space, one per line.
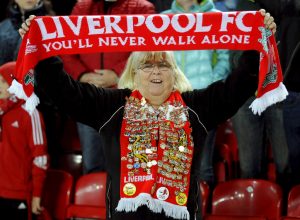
(150,131)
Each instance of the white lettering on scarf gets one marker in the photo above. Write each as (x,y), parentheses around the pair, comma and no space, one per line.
(133,179)
(111,24)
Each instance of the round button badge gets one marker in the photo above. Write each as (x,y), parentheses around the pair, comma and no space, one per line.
(129,189)
(181,198)
(162,193)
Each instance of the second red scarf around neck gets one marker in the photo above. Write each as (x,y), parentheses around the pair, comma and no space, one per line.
(156,156)
(50,36)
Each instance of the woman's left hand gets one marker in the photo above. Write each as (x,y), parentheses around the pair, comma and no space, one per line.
(25,26)
(268,20)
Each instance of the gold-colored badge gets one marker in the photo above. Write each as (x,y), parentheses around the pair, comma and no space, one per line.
(181,198)
(129,189)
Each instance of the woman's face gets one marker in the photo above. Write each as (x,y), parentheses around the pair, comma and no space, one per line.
(27,4)
(186,3)
(4,94)
(155,80)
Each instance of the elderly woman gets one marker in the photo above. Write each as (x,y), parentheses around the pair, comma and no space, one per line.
(153,127)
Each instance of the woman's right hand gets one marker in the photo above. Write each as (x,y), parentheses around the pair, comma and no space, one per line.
(25,26)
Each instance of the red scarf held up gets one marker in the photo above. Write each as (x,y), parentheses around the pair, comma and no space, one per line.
(50,36)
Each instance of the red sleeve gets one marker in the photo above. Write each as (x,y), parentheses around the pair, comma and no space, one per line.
(146,8)
(3,107)
(72,63)
(38,146)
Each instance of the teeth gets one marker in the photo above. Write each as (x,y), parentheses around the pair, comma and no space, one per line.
(156,81)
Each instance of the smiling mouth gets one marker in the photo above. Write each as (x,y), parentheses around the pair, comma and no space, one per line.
(156,81)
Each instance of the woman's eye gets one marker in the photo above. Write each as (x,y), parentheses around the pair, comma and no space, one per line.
(164,65)
(148,66)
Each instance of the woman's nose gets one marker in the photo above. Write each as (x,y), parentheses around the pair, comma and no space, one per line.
(156,69)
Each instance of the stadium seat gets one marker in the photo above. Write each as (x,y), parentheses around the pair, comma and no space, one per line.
(271,172)
(71,163)
(204,189)
(226,135)
(228,217)
(69,139)
(220,171)
(56,194)
(248,197)
(294,202)
(89,200)
(223,154)
(290,218)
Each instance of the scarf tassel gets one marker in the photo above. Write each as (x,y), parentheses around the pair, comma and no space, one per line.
(156,206)
(273,96)
(31,102)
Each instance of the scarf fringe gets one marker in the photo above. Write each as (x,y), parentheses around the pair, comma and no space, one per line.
(31,102)
(17,89)
(155,205)
(276,95)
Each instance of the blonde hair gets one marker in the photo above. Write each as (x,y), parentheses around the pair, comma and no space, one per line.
(139,58)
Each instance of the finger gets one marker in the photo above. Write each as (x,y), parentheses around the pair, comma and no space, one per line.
(22,32)
(267,17)
(272,25)
(27,22)
(270,21)
(92,82)
(273,28)
(40,209)
(25,27)
(31,17)
(99,83)
(101,72)
(34,210)
(262,12)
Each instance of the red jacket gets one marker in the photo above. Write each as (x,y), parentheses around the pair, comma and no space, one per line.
(23,154)
(78,64)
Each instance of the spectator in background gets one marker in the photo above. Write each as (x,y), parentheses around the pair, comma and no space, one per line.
(161,5)
(19,10)
(3,6)
(63,7)
(100,69)
(254,133)
(288,16)
(10,41)
(202,67)
(291,114)
(23,154)
(226,5)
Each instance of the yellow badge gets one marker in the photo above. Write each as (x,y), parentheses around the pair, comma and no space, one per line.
(181,198)
(129,189)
